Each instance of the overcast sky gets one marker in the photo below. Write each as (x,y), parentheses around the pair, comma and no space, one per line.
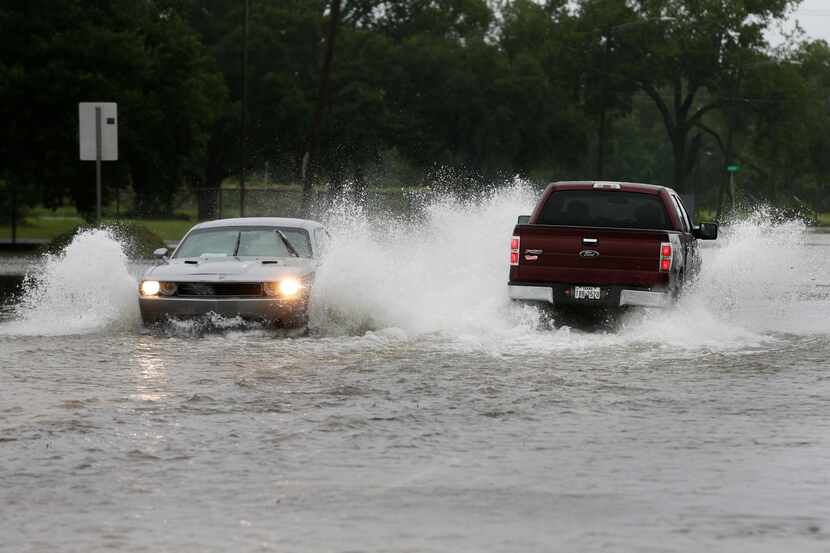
(814,17)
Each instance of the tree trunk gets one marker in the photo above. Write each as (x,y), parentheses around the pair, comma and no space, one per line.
(311,155)
(208,200)
(680,165)
(600,171)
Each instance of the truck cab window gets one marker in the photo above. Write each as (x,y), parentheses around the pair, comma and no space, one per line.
(600,208)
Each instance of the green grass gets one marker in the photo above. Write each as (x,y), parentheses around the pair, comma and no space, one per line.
(273,199)
(50,226)
(824,219)
(167,229)
(39,227)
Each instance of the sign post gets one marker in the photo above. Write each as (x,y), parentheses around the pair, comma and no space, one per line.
(733,168)
(98,139)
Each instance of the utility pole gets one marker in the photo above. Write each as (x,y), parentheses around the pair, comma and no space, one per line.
(244,137)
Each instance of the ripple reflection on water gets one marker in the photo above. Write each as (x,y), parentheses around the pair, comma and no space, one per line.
(441,418)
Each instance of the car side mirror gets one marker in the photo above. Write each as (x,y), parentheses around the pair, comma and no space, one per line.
(706,231)
(523,220)
(160,253)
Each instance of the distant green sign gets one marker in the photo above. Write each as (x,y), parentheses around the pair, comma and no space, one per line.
(733,168)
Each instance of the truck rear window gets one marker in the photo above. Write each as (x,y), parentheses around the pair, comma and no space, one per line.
(605,208)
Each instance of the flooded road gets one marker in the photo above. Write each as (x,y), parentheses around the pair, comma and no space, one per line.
(424,412)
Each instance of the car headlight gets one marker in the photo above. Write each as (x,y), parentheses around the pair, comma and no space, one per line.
(149,287)
(289,287)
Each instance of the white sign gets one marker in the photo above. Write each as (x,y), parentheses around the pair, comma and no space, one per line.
(88,121)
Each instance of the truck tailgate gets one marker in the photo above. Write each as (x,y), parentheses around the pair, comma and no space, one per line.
(589,255)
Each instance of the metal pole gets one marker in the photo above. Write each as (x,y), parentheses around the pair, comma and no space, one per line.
(244,116)
(732,189)
(98,165)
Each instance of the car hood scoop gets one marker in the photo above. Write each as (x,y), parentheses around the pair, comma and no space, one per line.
(213,266)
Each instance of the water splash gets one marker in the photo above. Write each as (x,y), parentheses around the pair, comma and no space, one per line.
(444,274)
(86,288)
(447,273)
(769,275)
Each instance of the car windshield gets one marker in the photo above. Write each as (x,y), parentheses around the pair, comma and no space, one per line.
(244,242)
(605,208)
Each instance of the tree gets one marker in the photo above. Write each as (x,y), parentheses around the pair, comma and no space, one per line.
(757,99)
(544,87)
(167,140)
(140,55)
(606,89)
(284,41)
(684,61)
(789,141)
(312,145)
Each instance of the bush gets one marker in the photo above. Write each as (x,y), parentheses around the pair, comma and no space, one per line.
(138,241)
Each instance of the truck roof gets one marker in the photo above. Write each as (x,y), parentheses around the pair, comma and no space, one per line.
(650,189)
(624,186)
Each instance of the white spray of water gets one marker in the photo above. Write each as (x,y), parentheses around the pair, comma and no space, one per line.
(86,288)
(447,274)
(767,277)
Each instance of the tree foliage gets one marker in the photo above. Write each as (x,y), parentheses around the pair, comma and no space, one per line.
(671,90)
(139,54)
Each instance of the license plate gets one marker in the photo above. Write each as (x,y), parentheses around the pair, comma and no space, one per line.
(586,292)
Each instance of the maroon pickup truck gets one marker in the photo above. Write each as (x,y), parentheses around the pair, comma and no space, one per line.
(605,244)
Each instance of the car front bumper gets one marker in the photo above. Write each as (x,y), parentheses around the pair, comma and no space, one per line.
(155,308)
(612,296)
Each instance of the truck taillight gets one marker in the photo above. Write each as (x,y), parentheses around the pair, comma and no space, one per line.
(514,251)
(665,257)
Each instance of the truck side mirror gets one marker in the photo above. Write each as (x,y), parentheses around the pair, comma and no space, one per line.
(706,231)
(523,220)
(160,253)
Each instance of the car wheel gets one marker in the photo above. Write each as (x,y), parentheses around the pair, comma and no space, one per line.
(300,320)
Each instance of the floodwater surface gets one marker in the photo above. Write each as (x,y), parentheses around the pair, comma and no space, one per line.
(423,411)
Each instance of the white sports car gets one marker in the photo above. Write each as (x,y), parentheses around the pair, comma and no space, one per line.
(252,267)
